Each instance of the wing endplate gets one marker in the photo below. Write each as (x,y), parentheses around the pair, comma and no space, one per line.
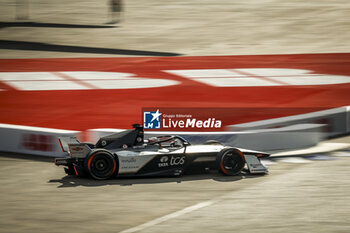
(254,164)
(65,141)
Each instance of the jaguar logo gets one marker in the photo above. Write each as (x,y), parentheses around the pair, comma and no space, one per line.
(77,149)
(164,159)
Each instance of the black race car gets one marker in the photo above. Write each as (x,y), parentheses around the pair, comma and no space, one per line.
(128,154)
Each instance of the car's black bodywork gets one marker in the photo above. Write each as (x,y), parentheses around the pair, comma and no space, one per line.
(128,154)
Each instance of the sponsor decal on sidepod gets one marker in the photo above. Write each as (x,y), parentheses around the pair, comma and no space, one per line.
(174,161)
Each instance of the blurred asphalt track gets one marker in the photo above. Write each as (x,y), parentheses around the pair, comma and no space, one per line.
(299,196)
(188,27)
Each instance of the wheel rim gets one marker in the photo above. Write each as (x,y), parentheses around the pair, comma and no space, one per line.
(101,166)
(232,162)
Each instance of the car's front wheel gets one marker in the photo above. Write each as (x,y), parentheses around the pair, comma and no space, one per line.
(101,165)
(230,161)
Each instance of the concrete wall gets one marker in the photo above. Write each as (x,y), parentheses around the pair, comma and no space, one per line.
(32,140)
(337,121)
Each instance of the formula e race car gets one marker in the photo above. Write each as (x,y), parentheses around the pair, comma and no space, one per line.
(127,154)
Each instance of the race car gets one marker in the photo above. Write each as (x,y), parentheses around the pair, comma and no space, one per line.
(127,153)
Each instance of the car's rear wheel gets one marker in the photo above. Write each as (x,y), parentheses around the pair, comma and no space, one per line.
(101,165)
(230,161)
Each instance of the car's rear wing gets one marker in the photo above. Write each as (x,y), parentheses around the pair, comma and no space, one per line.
(74,147)
(65,141)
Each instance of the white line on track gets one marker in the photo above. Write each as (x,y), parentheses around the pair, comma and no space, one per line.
(169,216)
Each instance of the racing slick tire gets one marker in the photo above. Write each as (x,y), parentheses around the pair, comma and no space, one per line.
(101,165)
(230,161)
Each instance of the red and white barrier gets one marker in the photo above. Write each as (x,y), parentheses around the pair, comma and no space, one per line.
(32,140)
(111,92)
